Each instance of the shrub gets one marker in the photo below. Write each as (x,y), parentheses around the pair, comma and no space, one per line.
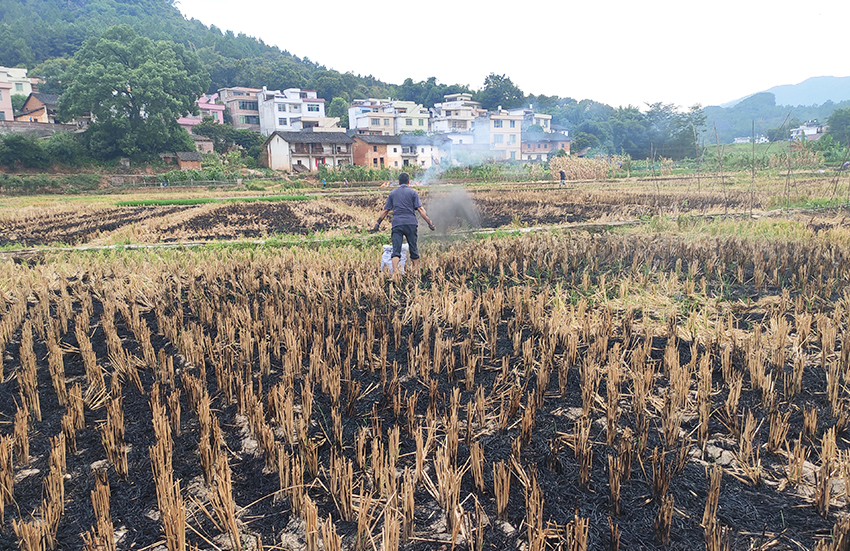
(65,148)
(29,151)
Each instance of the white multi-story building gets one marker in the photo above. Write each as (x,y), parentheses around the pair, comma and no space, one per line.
(386,117)
(21,83)
(292,110)
(530,118)
(502,132)
(410,117)
(456,114)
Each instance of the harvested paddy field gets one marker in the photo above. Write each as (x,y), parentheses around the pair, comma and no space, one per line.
(345,213)
(678,385)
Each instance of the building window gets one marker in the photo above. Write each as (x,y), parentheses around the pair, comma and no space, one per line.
(498,138)
(2,115)
(513,137)
(313,107)
(421,122)
(513,155)
(395,163)
(376,122)
(248,105)
(19,87)
(386,122)
(497,124)
(282,122)
(408,122)
(249,119)
(281,107)
(1,95)
(422,150)
(375,148)
(513,124)
(395,150)
(374,162)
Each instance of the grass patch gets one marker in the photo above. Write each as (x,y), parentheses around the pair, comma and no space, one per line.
(207,200)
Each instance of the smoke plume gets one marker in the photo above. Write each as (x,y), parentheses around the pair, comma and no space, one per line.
(451,208)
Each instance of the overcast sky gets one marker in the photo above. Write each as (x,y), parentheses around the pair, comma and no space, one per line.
(618,52)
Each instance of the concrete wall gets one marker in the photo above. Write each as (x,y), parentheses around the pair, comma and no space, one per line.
(40,129)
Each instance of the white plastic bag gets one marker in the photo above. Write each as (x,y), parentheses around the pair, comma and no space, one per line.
(387,258)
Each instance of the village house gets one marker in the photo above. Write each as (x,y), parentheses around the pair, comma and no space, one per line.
(399,151)
(536,146)
(293,110)
(207,107)
(410,117)
(39,108)
(502,132)
(386,117)
(530,118)
(6,111)
(456,113)
(364,117)
(377,151)
(189,160)
(810,130)
(303,151)
(242,107)
(21,84)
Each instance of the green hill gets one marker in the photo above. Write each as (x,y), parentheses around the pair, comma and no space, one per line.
(34,31)
(762,111)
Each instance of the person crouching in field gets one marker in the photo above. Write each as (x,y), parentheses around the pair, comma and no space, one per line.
(404,203)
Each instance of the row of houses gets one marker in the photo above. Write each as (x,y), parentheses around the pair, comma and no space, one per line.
(380,132)
(385,129)
(307,150)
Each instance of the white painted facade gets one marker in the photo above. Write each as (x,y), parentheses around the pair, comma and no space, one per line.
(21,84)
(456,114)
(409,117)
(386,117)
(292,110)
(288,150)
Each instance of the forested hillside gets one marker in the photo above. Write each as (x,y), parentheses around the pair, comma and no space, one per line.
(771,120)
(35,31)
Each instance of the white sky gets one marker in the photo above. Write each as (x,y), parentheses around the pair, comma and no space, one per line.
(618,52)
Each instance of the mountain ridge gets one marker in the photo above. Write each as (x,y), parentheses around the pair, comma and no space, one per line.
(812,91)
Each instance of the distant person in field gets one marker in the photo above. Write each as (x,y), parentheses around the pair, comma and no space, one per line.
(563,178)
(404,203)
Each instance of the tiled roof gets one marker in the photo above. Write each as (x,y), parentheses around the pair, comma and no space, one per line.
(314,137)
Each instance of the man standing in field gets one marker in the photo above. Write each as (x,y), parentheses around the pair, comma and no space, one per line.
(404,203)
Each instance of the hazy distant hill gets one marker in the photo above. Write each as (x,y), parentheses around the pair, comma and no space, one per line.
(812,91)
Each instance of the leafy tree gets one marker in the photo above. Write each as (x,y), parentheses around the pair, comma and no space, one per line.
(499,90)
(65,148)
(18,101)
(135,89)
(26,150)
(629,132)
(52,73)
(534,128)
(338,108)
(223,136)
(839,125)
(582,140)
